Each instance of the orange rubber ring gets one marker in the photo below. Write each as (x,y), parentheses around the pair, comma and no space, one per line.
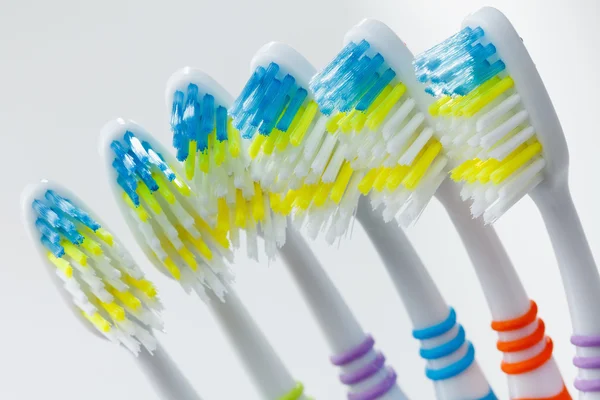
(531,364)
(519,322)
(564,395)
(525,342)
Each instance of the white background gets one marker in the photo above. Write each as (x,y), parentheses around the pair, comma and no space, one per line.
(66,67)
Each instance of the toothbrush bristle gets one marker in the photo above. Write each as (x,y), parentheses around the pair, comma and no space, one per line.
(386,138)
(186,246)
(482,121)
(104,282)
(217,163)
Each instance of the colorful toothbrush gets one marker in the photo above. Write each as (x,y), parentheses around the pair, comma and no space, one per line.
(157,205)
(447,362)
(401,122)
(363,368)
(503,128)
(100,282)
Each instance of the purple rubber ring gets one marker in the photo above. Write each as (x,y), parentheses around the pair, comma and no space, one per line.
(367,371)
(587,385)
(378,390)
(587,362)
(353,354)
(585,341)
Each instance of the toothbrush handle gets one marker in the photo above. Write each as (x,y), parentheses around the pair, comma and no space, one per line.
(165,377)
(339,325)
(581,282)
(503,290)
(354,352)
(260,361)
(421,298)
(577,267)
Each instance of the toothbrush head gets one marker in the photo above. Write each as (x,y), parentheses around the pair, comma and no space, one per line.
(294,151)
(96,276)
(218,164)
(157,203)
(494,114)
(371,91)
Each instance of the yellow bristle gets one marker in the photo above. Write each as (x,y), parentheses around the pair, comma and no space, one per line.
(204,161)
(366,183)
(486,169)
(128,299)
(62,264)
(240,209)
(345,122)
(190,161)
(105,236)
(305,196)
(198,243)
(434,108)
(188,257)
(446,108)
(222,215)
(380,113)
(419,168)
(139,210)
(378,100)
(275,202)
(172,268)
(288,202)
(98,321)
(457,173)
(256,145)
(396,176)
(332,125)
(72,251)
(163,188)
(144,193)
(516,162)
(494,88)
(269,145)
(298,133)
(322,193)
(258,204)
(233,139)
(181,186)
(90,245)
(339,187)
(381,179)
(116,312)
(220,152)
(358,122)
(142,285)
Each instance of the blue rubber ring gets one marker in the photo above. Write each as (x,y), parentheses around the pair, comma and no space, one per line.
(445,349)
(436,330)
(453,369)
(490,396)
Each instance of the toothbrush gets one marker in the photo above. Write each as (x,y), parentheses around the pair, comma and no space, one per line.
(451,358)
(503,128)
(405,119)
(100,282)
(156,203)
(363,369)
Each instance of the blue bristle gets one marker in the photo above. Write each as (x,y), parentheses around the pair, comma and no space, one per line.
(338,91)
(250,105)
(145,175)
(374,91)
(221,123)
(342,62)
(459,64)
(274,110)
(177,110)
(156,159)
(54,248)
(63,225)
(47,230)
(207,122)
(182,146)
(363,80)
(251,85)
(192,112)
(71,210)
(266,101)
(295,103)
(129,186)
(136,148)
(267,127)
